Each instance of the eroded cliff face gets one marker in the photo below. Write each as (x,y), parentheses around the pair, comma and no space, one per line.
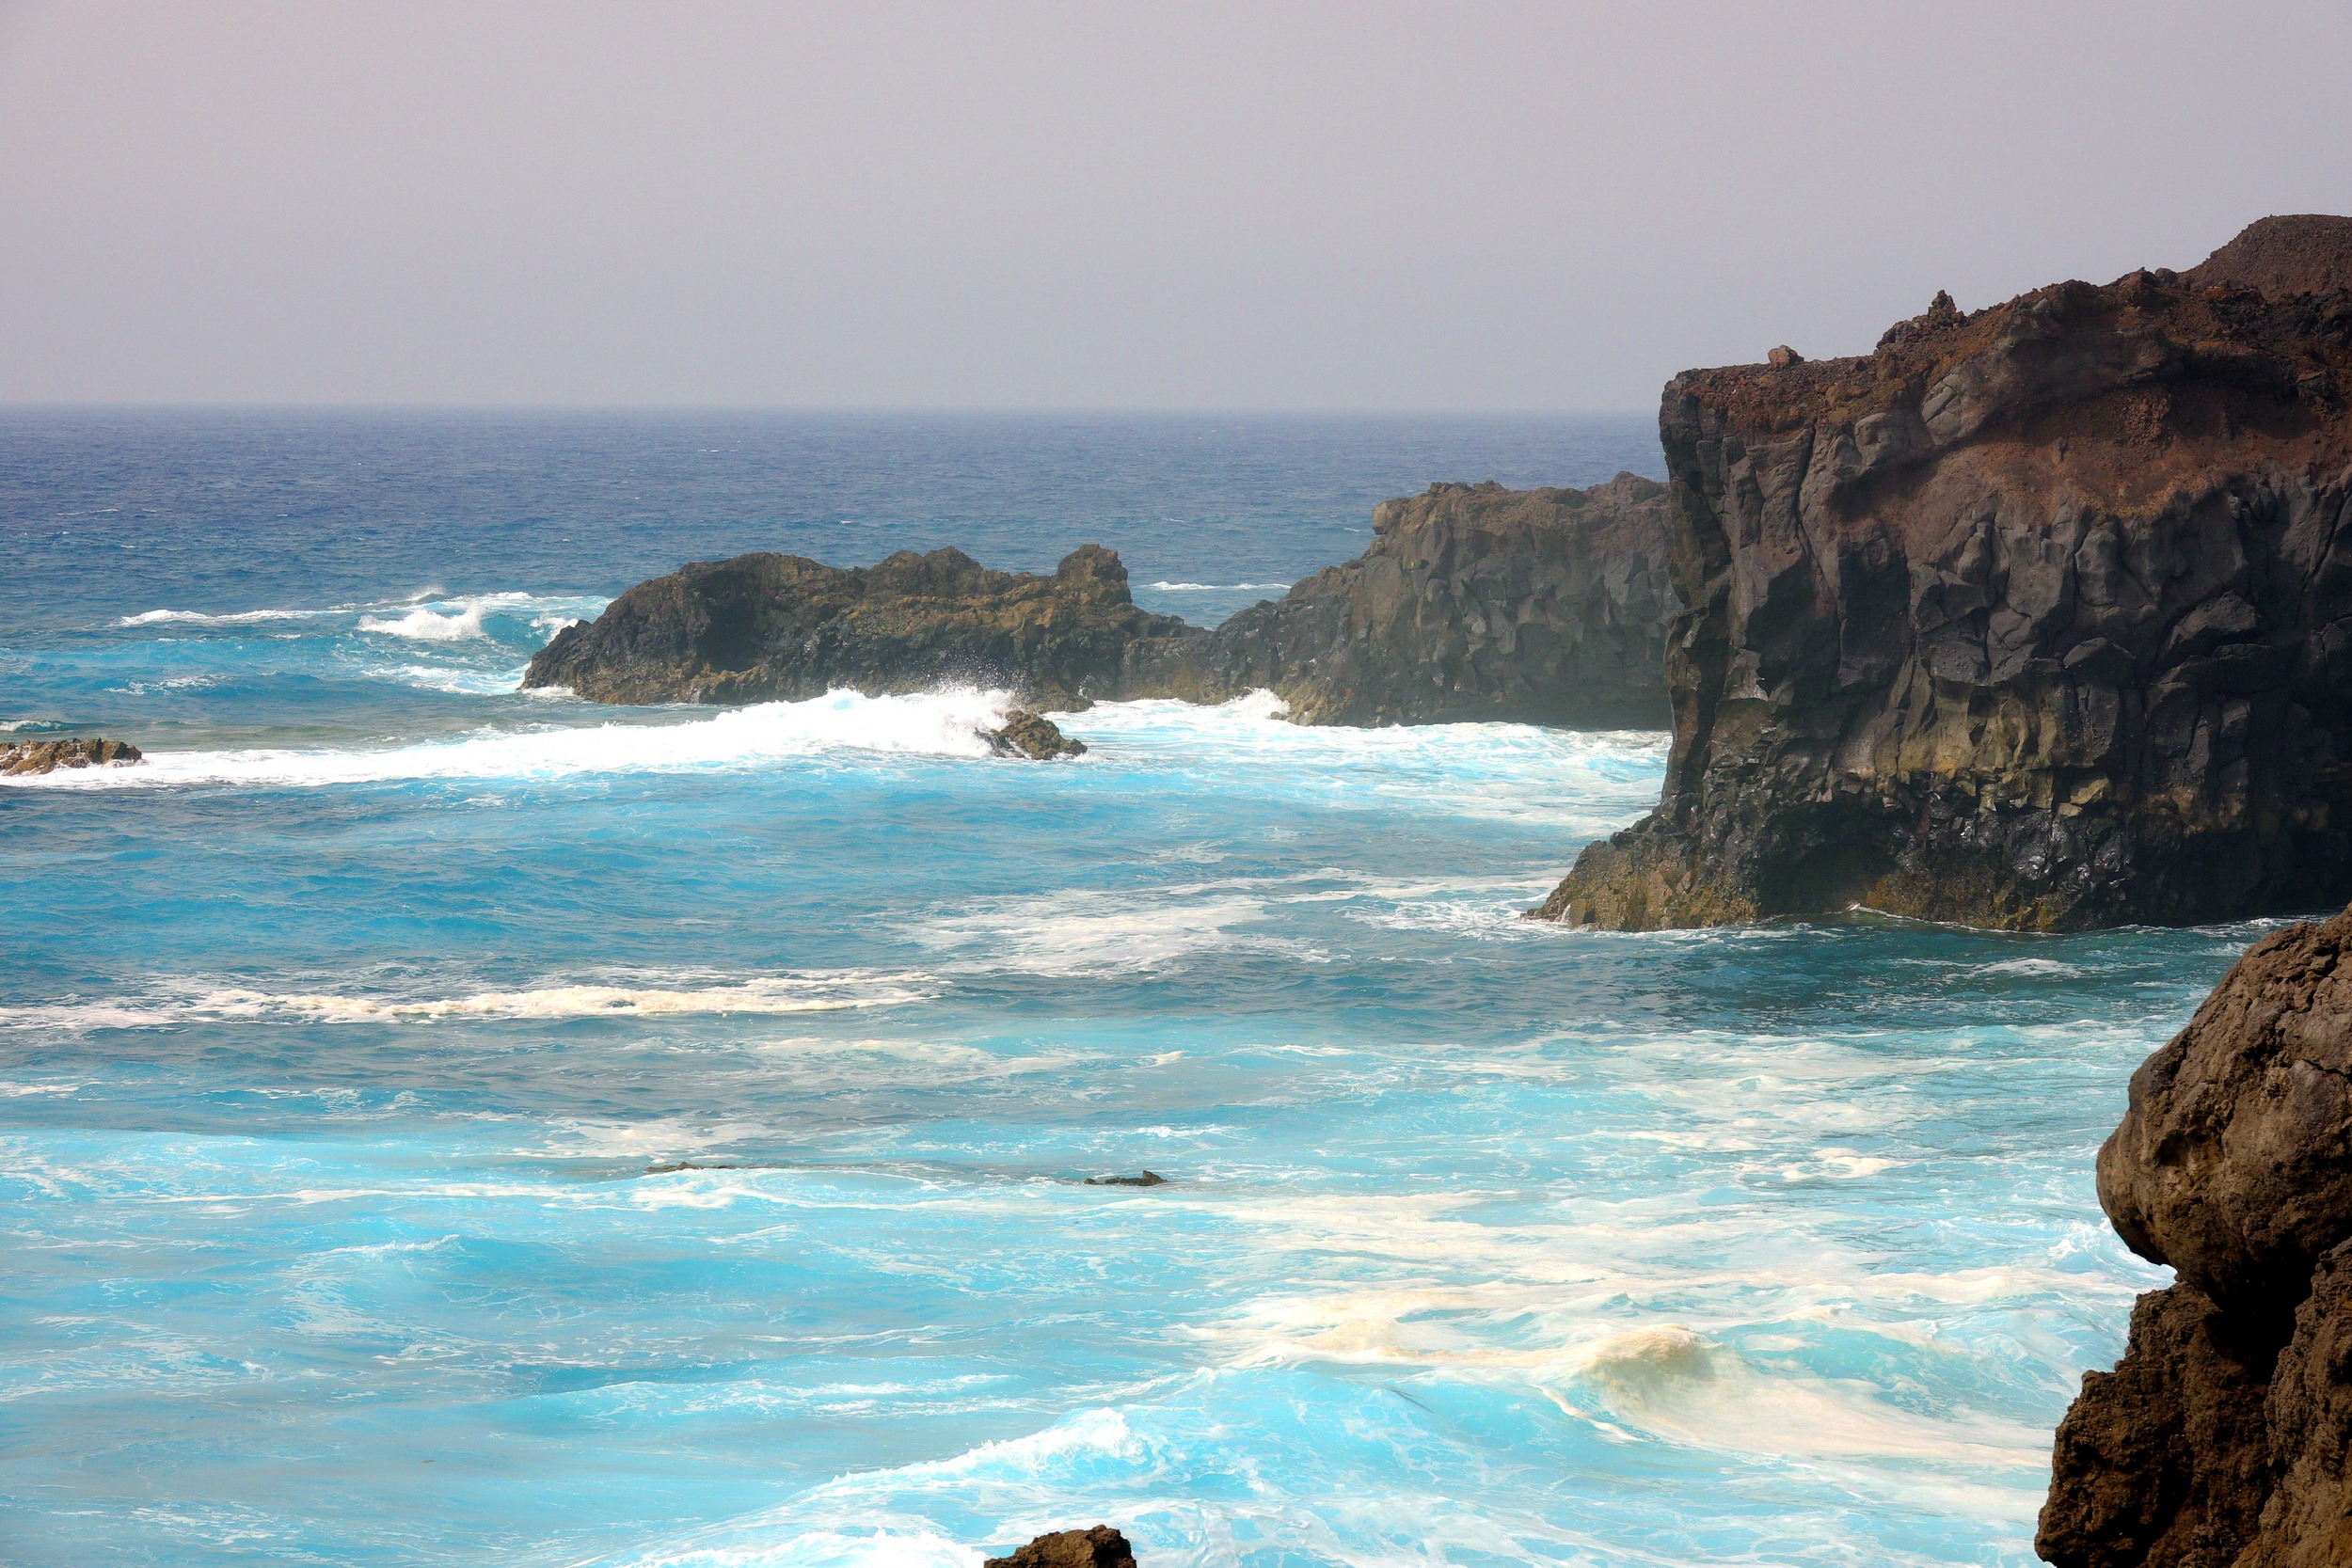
(2035,618)
(1473,602)
(2223,1439)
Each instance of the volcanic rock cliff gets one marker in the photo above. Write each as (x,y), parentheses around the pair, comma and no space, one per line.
(2038,618)
(2223,1439)
(1544,605)
(780,627)
(1474,602)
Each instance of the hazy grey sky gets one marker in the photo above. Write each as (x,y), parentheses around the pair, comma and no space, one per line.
(1287,205)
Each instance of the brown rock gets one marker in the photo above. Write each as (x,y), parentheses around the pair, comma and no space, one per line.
(2035,618)
(2307,254)
(2221,1439)
(1027,734)
(1474,602)
(1784,356)
(1099,1548)
(47,756)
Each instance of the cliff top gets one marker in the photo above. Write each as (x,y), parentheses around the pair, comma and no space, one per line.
(2270,356)
(2308,253)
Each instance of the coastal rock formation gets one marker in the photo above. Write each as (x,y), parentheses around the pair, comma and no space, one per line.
(2223,1439)
(47,756)
(2035,618)
(1099,1548)
(1473,602)
(767,627)
(1024,734)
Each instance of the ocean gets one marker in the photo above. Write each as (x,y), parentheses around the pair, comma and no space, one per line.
(444,1125)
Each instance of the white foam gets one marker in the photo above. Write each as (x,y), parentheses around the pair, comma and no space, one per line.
(424,625)
(199,618)
(652,996)
(1217,587)
(1094,933)
(941,724)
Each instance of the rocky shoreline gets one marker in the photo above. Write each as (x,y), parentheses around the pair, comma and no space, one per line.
(1473,602)
(2035,618)
(2223,1439)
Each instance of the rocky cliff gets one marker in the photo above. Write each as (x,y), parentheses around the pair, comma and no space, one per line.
(2039,617)
(2223,1439)
(1473,602)
(780,627)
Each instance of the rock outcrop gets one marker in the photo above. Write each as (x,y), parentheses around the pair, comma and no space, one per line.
(1473,602)
(1099,1548)
(47,756)
(1026,735)
(2035,618)
(2223,1439)
(780,627)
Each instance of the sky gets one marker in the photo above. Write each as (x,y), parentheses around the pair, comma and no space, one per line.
(1480,205)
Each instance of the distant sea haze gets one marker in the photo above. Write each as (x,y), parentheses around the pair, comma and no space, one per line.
(448,1125)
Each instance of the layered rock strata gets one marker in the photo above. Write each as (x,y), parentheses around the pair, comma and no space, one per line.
(2223,1439)
(1544,605)
(2035,618)
(47,756)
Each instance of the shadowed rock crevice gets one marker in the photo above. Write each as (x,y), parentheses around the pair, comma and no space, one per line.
(2037,618)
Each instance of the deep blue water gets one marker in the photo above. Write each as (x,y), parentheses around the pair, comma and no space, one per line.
(443,1126)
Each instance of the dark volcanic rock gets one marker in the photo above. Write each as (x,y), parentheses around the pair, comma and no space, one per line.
(779,627)
(2035,618)
(1099,1548)
(1148,1178)
(1026,735)
(47,756)
(2221,1438)
(1473,602)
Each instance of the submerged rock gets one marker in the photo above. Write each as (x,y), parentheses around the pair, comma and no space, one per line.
(2224,1436)
(2039,618)
(1099,1548)
(47,756)
(1148,1178)
(1027,734)
(1473,602)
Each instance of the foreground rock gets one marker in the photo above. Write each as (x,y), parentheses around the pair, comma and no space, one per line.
(2224,1438)
(2037,618)
(1473,602)
(1099,1548)
(1026,735)
(47,756)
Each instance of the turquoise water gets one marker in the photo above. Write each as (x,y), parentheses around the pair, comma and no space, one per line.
(447,1126)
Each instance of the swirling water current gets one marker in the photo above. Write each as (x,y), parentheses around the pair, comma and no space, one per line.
(440,1125)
